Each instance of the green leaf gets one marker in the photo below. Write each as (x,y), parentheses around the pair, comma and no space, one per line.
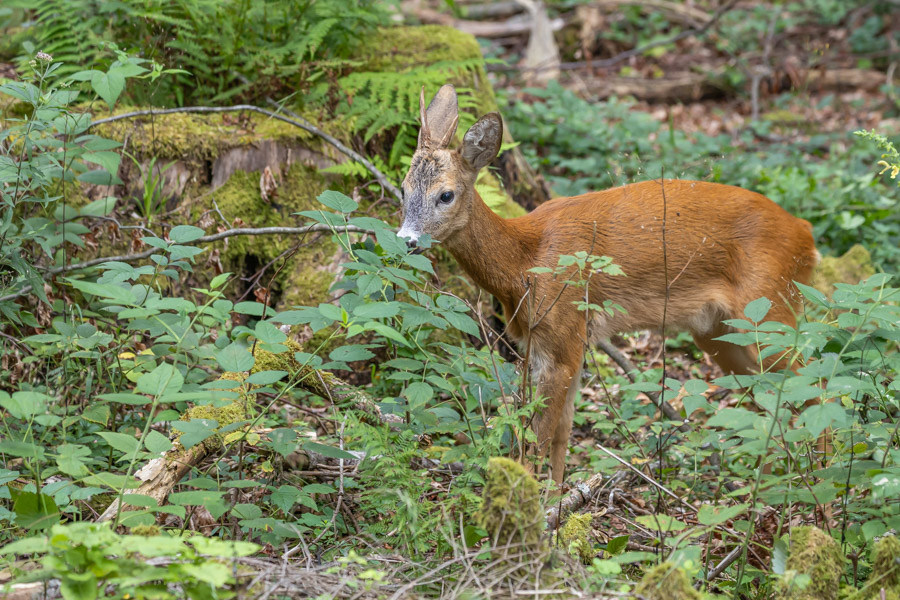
(819,417)
(318,488)
(660,522)
(285,497)
(157,443)
(164,379)
(350,353)
(108,85)
(104,290)
(121,398)
(715,515)
(463,322)
(99,413)
(269,334)
(377,310)
(195,431)
(418,393)
(328,451)
(757,310)
(121,442)
(70,459)
(733,418)
(21,449)
(108,160)
(29,545)
(34,511)
(182,234)
(24,405)
(235,358)
(195,497)
(266,377)
(223,548)
(337,201)
(617,544)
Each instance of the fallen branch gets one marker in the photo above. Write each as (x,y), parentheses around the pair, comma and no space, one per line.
(129,258)
(583,493)
(510,27)
(297,122)
(623,56)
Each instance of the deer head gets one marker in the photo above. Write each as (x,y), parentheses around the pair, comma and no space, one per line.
(439,188)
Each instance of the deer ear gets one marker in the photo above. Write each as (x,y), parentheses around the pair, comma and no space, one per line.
(482,142)
(440,119)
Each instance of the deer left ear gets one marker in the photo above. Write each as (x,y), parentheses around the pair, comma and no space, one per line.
(439,119)
(482,141)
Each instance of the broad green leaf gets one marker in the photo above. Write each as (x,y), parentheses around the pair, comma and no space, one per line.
(34,511)
(121,442)
(377,310)
(24,405)
(108,85)
(223,548)
(418,393)
(329,451)
(269,334)
(350,353)
(337,201)
(182,234)
(157,443)
(29,545)
(819,417)
(235,358)
(617,544)
(660,522)
(164,379)
(285,497)
(195,497)
(733,418)
(195,431)
(266,377)
(715,515)
(70,459)
(21,449)
(108,160)
(757,310)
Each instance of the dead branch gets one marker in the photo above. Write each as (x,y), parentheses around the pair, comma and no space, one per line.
(296,122)
(129,258)
(583,493)
(509,27)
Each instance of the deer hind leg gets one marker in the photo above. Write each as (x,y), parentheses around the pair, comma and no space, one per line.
(739,360)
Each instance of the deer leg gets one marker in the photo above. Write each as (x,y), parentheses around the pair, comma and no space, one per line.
(560,444)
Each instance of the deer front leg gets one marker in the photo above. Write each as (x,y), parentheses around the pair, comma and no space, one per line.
(553,426)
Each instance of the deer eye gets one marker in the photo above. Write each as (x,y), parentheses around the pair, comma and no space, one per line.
(447,197)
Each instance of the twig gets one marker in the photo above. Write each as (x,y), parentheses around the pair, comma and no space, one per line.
(297,122)
(202,240)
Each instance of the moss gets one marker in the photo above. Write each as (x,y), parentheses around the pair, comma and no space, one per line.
(814,553)
(511,508)
(666,582)
(197,137)
(303,280)
(146,530)
(575,537)
(885,572)
(853,266)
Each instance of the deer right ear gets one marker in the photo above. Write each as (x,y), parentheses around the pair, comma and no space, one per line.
(482,141)
(439,119)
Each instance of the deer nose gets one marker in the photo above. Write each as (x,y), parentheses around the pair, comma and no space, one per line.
(411,243)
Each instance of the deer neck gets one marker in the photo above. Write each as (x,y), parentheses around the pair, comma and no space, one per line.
(495,252)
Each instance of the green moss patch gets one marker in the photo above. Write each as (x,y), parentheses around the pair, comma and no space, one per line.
(817,557)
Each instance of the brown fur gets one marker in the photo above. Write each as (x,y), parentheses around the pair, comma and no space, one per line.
(724,247)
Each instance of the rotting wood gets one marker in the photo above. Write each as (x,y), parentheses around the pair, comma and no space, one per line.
(583,493)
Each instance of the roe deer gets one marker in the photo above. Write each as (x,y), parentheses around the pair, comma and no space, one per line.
(725,246)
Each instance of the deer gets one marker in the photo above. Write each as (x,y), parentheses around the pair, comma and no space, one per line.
(694,254)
